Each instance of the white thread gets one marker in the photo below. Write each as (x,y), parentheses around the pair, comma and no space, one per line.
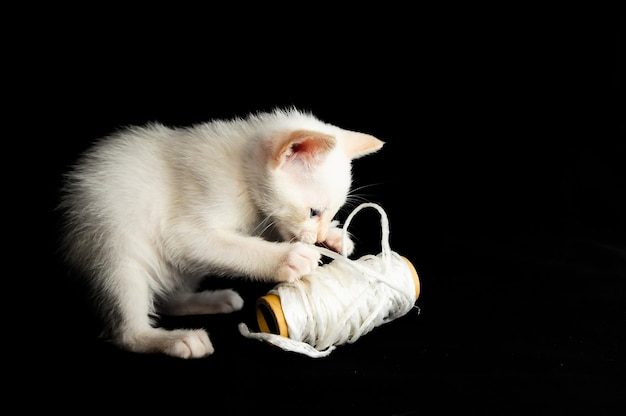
(344,299)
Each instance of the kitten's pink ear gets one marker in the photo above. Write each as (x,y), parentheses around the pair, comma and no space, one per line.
(307,147)
(360,144)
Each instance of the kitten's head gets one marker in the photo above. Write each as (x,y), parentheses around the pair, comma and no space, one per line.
(307,173)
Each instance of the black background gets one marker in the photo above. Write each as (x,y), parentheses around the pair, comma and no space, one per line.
(503,177)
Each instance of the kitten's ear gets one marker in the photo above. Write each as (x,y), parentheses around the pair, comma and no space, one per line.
(303,146)
(360,144)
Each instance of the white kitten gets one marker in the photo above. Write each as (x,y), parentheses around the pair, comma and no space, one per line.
(151,211)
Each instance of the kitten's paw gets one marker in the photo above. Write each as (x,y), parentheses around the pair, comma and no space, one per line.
(334,241)
(301,259)
(225,300)
(201,303)
(189,344)
(180,343)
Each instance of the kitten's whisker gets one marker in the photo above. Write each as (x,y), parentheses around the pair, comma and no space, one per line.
(352,201)
(264,225)
(355,200)
(365,186)
(270,225)
(355,197)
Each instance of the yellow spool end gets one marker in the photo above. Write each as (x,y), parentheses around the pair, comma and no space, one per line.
(415,277)
(270,316)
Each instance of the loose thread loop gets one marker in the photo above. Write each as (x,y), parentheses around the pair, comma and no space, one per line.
(342,300)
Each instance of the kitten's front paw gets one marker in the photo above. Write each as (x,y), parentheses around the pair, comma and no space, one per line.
(334,241)
(189,344)
(300,260)
(181,343)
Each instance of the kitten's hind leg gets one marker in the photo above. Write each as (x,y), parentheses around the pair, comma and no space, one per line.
(202,303)
(127,304)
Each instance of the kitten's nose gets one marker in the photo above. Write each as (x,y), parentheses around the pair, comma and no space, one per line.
(321,234)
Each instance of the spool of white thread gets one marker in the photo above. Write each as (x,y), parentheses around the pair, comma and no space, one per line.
(271,317)
(340,301)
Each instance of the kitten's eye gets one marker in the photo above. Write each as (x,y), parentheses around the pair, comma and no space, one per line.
(314,213)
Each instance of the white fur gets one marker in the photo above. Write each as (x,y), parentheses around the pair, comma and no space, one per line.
(152,210)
